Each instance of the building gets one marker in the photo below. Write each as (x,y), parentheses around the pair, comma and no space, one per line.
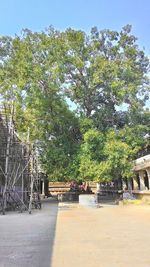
(141,181)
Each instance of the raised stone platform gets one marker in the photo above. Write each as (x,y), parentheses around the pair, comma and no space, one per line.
(142,195)
(88,200)
(68,196)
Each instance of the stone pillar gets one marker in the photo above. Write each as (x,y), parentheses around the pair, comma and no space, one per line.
(98,187)
(43,188)
(124,185)
(129,184)
(148,174)
(142,184)
(135,184)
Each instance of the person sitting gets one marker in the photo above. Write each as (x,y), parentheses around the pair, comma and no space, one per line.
(127,194)
(86,188)
(74,186)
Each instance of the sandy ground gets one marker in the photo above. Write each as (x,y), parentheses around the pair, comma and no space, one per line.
(110,236)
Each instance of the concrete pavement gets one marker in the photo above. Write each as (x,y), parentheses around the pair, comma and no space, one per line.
(73,236)
(27,240)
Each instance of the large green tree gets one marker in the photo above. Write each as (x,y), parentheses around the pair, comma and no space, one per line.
(104,70)
(31,77)
(103,73)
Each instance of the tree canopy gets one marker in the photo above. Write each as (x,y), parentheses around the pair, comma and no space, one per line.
(104,74)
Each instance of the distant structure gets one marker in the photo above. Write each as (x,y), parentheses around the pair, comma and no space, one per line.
(140,183)
(142,170)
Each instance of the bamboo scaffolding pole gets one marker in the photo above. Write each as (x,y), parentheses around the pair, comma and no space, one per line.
(19,163)
(7,158)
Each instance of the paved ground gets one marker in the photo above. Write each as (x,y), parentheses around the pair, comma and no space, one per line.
(111,236)
(27,240)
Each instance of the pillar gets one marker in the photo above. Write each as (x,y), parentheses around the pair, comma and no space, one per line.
(124,185)
(43,188)
(129,184)
(135,184)
(98,187)
(142,184)
(148,174)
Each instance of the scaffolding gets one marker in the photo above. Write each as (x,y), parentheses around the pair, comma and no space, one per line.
(19,178)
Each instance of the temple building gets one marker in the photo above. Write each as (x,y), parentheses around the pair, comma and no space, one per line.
(141,182)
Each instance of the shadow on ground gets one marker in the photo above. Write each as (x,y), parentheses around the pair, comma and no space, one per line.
(27,240)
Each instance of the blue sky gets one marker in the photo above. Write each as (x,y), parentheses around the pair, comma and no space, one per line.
(79,14)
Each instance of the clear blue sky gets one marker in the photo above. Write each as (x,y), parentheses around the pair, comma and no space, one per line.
(79,14)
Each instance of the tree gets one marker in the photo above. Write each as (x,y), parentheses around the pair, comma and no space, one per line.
(105,158)
(31,75)
(100,72)
(104,70)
